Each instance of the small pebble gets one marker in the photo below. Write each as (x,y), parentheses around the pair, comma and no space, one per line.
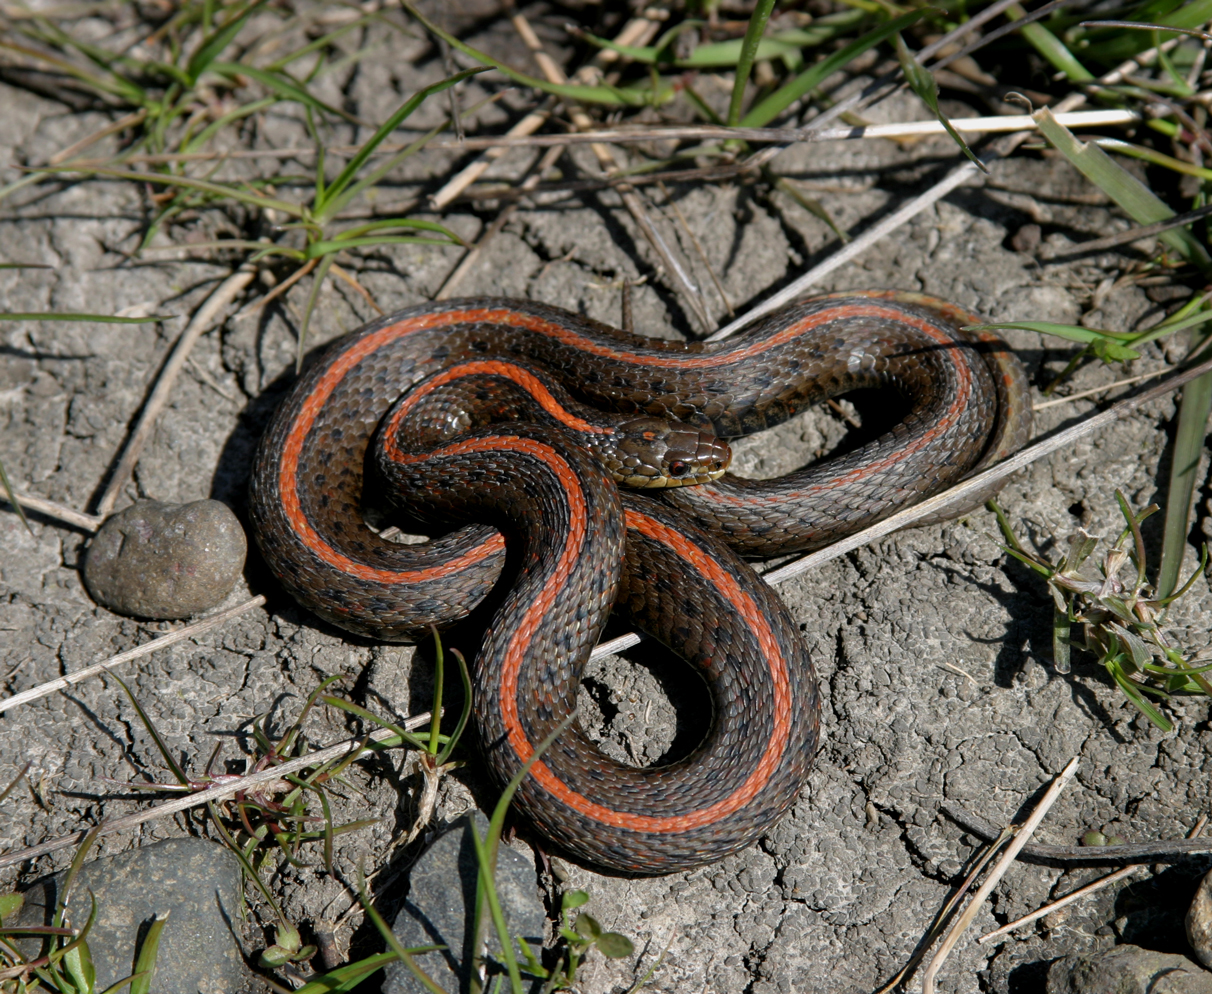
(441,902)
(1027,238)
(1127,969)
(197,882)
(1199,922)
(155,560)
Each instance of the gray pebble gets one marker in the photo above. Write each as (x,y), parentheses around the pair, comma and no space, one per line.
(1127,969)
(156,560)
(1199,922)
(197,882)
(441,903)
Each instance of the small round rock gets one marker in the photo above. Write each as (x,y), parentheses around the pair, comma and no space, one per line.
(156,560)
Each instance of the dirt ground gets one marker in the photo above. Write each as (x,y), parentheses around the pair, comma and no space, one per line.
(934,650)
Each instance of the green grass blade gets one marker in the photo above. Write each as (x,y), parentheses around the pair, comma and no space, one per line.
(1115,342)
(771,107)
(283,85)
(1132,690)
(212,46)
(217,125)
(327,205)
(11,496)
(346,978)
(327,249)
(1155,157)
(923,83)
(70,316)
(609,95)
(189,183)
(145,964)
(147,723)
(1132,196)
(1051,47)
(114,85)
(464,715)
(339,203)
(753,34)
(397,950)
(322,42)
(488,885)
(69,878)
(387,224)
(249,870)
(361,712)
(1193,412)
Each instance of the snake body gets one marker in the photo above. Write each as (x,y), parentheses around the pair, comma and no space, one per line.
(578,547)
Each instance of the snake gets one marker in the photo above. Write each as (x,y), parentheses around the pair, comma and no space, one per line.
(629,511)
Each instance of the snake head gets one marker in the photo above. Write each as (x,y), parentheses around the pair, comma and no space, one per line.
(651,452)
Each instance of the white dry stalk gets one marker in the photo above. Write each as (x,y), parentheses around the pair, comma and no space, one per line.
(219,792)
(1003,864)
(1068,899)
(630,135)
(172,638)
(88,522)
(1081,892)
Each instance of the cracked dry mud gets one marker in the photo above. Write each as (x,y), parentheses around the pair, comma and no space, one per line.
(933,650)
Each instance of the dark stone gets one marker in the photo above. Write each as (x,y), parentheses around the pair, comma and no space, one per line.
(197,882)
(1128,970)
(441,904)
(156,560)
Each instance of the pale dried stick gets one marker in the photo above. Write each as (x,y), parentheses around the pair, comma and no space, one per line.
(630,135)
(1068,899)
(339,750)
(956,495)
(944,914)
(172,638)
(350,280)
(1081,892)
(202,320)
(472,172)
(978,899)
(788,136)
(611,161)
(88,522)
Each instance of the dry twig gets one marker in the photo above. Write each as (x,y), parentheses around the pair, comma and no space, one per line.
(978,899)
(172,638)
(206,314)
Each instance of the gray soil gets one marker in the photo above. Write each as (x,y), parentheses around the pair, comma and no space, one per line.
(934,650)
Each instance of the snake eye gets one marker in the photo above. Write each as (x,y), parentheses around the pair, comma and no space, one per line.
(678,468)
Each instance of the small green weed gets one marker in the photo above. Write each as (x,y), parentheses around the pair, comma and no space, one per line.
(64,964)
(1122,618)
(581,933)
